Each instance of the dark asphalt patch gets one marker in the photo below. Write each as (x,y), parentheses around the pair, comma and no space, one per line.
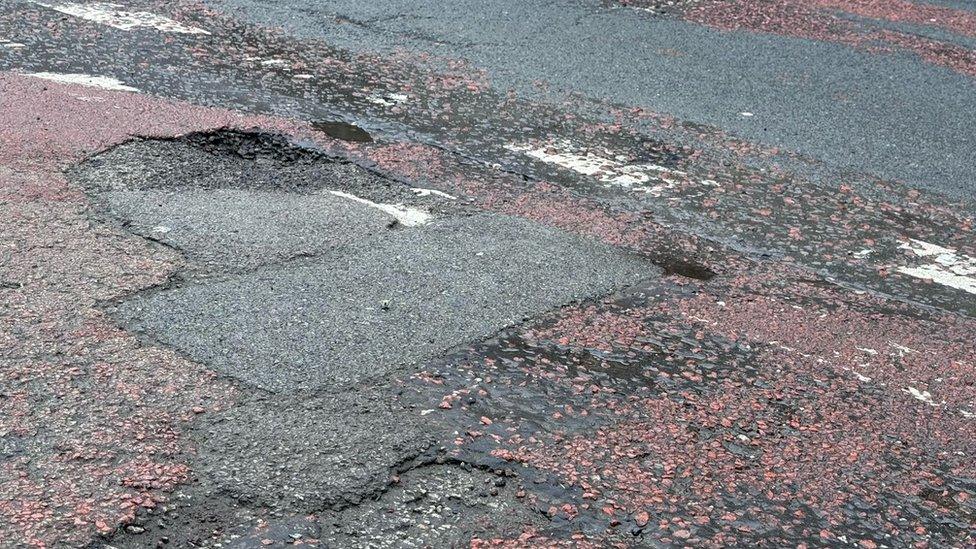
(435,505)
(235,201)
(240,230)
(379,303)
(250,161)
(302,289)
(364,297)
(307,454)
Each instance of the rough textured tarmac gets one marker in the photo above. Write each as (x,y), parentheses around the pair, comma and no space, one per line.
(229,212)
(306,454)
(381,303)
(357,302)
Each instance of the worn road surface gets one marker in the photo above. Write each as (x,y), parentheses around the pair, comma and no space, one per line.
(573,273)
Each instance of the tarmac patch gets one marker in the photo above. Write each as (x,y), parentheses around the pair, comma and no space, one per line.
(291,285)
(310,454)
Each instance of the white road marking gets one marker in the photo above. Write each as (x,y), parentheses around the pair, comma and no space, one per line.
(867,350)
(388,100)
(9,44)
(115,16)
(608,168)
(276,63)
(104,82)
(427,192)
(902,350)
(948,268)
(924,396)
(409,217)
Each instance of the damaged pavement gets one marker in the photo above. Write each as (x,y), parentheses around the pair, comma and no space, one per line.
(316,292)
(389,276)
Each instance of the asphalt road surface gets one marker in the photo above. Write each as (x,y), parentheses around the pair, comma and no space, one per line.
(489,274)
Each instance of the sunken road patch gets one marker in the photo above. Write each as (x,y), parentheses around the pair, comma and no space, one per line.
(308,273)
(306,454)
(310,280)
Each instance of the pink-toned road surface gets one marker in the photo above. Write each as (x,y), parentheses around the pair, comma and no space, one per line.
(799,369)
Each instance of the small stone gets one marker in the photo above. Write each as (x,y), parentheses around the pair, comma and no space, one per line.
(642,518)
(134,529)
(198,409)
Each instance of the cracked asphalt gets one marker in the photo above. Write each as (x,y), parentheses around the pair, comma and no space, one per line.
(632,273)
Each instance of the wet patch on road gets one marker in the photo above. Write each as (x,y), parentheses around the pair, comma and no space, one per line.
(714,415)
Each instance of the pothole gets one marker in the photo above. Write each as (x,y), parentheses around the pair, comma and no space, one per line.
(344,131)
(681,266)
(233,201)
(364,299)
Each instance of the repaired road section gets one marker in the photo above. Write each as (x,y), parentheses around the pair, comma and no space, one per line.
(259,290)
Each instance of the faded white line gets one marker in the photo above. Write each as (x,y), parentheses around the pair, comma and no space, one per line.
(607,167)
(115,16)
(11,45)
(410,217)
(923,396)
(388,100)
(428,192)
(104,82)
(276,63)
(947,268)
